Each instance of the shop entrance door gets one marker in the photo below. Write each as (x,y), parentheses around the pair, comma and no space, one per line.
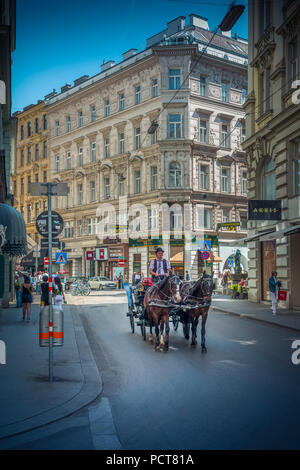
(268,258)
(295,271)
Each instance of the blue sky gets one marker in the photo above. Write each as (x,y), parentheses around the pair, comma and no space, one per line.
(61,40)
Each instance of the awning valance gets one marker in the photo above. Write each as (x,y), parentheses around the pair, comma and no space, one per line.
(12,231)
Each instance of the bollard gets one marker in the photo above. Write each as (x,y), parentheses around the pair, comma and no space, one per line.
(56,330)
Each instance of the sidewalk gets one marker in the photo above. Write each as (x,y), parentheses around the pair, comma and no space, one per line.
(259,312)
(27,398)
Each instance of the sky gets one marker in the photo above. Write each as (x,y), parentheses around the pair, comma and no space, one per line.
(61,40)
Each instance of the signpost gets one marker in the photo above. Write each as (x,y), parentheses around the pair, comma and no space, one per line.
(49,224)
(56,243)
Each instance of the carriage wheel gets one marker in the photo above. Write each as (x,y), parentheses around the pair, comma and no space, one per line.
(143,330)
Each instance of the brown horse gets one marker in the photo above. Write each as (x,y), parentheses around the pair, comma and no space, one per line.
(160,295)
(199,294)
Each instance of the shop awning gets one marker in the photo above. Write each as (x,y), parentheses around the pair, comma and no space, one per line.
(12,231)
(178,258)
(30,243)
(252,238)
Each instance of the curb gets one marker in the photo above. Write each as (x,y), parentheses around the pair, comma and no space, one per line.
(243,315)
(92,387)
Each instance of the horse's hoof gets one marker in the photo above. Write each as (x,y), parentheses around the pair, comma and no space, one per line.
(157,349)
(204,350)
(187,337)
(193,345)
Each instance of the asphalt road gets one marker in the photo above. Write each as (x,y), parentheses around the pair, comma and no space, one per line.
(242,394)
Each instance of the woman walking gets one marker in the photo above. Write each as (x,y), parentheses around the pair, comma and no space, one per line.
(26,290)
(58,293)
(45,291)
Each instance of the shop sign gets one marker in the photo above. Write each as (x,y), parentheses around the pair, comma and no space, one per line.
(114,253)
(146,242)
(264,210)
(101,254)
(230,226)
(176,241)
(89,255)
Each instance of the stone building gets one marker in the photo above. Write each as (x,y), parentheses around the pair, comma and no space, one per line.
(100,145)
(273,145)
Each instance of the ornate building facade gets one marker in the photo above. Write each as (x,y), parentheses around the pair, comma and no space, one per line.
(100,145)
(273,145)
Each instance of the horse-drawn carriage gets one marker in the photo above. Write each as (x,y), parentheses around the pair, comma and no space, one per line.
(169,300)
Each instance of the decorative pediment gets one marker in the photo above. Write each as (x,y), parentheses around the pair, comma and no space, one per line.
(78,172)
(136,157)
(106,165)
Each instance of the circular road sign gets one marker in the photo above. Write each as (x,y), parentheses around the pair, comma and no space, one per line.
(205,255)
(42,224)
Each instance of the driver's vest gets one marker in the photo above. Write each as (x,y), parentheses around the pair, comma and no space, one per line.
(155,266)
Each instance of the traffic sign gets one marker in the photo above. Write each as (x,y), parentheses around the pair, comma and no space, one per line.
(205,255)
(60,258)
(42,224)
(205,245)
(121,262)
(46,260)
(41,189)
(230,263)
(62,271)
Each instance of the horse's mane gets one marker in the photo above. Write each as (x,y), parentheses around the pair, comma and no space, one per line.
(196,286)
(161,284)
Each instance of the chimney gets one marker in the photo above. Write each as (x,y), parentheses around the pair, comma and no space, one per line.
(199,21)
(129,53)
(80,80)
(66,87)
(50,95)
(176,25)
(107,65)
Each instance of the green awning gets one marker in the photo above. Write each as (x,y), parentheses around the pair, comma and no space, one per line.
(12,232)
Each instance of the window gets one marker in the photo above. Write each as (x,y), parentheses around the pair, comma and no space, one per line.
(79,194)
(137,138)
(121,142)
(153,178)
(22,158)
(292,51)
(80,119)
(22,132)
(57,128)
(176,219)
(268,89)
(244,96)
(243,133)
(44,205)
(29,155)
(225,180)
(243,220)
(22,186)
(106,108)
(207,213)
(79,228)
(36,177)
(261,92)
(296,152)
(202,86)
(137,181)
(68,229)
(121,102)
(137,95)
(93,152)
(44,122)
(28,128)
(106,188)
(56,202)
(36,209)
(175,175)
(226,215)
(106,148)
(45,176)
(92,191)
(225,92)
(244,182)
(174,79)
(203,177)
(268,182)
(15,188)
(28,182)
(225,136)
(93,113)
(36,153)
(29,213)
(45,149)
(154,138)
(36,125)
(80,156)
(174,126)
(68,123)
(121,187)
(68,161)
(22,211)
(153,219)
(57,164)
(203,131)
(154,88)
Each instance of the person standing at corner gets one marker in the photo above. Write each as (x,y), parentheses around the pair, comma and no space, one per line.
(274,286)
(159,267)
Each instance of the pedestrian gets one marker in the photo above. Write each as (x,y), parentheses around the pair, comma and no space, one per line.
(274,286)
(26,290)
(18,286)
(187,276)
(137,278)
(120,279)
(58,293)
(45,291)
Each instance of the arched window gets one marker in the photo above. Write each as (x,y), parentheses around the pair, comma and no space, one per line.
(175,175)
(268,180)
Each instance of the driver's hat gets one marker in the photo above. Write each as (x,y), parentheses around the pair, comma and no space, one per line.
(159,249)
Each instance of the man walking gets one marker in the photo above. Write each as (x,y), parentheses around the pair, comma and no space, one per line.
(159,267)
(274,286)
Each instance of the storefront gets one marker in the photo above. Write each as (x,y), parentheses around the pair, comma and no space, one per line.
(107,260)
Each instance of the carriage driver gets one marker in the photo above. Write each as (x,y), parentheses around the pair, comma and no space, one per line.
(159,267)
